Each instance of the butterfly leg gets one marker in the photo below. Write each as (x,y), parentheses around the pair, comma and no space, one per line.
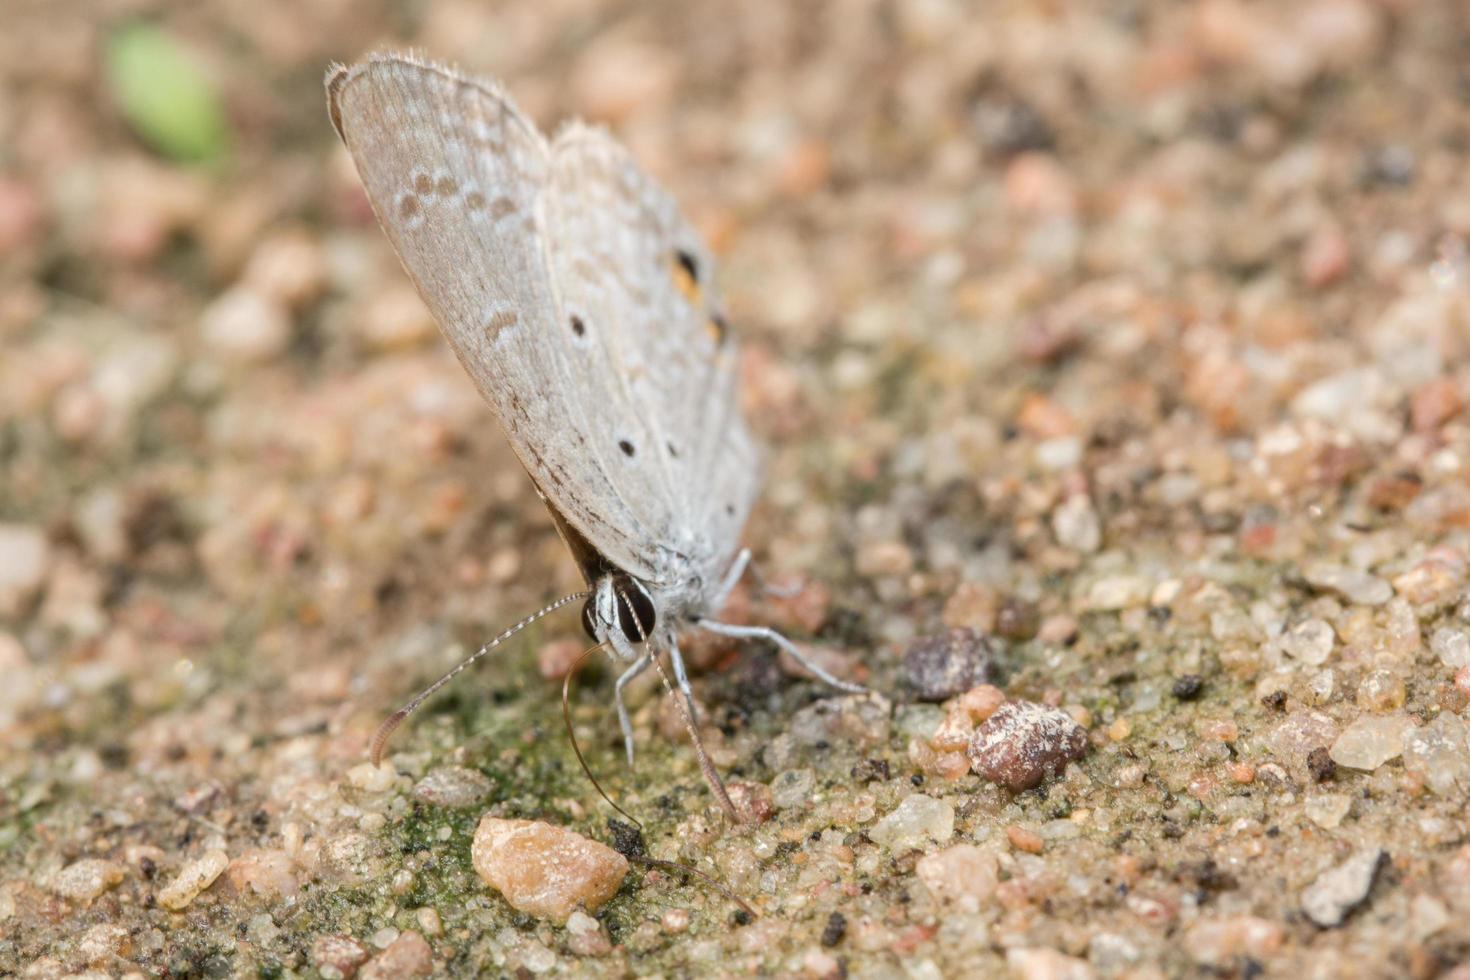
(771,636)
(732,578)
(624,680)
(681,676)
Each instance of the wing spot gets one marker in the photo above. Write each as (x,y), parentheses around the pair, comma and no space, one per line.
(447,186)
(500,321)
(626,447)
(729,510)
(424,184)
(474,200)
(687,262)
(672,451)
(718,329)
(686,275)
(409,207)
(578,327)
(501,207)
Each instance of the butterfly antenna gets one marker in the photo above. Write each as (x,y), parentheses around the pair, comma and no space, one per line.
(391,723)
(566,714)
(685,869)
(711,775)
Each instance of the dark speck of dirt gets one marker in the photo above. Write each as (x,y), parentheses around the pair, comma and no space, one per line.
(834,930)
(1320,764)
(870,770)
(1188,687)
(740,917)
(627,839)
(1276,700)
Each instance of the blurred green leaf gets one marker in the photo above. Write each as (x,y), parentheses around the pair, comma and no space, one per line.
(164,95)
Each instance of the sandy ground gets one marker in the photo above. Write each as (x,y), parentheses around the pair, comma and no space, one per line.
(1133,336)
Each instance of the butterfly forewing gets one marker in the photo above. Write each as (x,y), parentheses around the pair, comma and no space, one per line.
(656,346)
(460,181)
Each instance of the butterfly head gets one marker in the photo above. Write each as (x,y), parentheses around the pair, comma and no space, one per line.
(621,603)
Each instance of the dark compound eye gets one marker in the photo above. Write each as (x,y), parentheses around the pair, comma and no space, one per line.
(636,617)
(626,447)
(589,619)
(578,327)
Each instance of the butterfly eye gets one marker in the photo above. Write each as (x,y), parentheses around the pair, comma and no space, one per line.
(686,275)
(626,447)
(578,327)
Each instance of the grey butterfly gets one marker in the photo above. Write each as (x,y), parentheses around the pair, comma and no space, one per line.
(583,306)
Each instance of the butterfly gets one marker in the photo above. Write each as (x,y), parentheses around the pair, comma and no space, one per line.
(583,305)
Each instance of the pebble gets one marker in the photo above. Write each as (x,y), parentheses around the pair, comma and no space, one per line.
(1371,741)
(1327,810)
(288,267)
(792,788)
(453,787)
(24,560)
(1076,525)
(1116,592)
(245,325)
(1451,646)
(545,871)
(1024,742)
(585,936)
(337,955)
(1440,751)
(84,880)
(1434,403)
(753,801)
(1298,734)
(1029,963)
(267,872)
(407,956)
(971,606)
(192,879)
(396,319)
(373,779)
(958,872)
(916,821)
(1220,942)
(1336,892)
(104,941)
(1352,584)
(1309,641)
(860,720)
(942,665)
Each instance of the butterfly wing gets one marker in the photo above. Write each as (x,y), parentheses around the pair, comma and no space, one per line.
(655,345)
(460,180)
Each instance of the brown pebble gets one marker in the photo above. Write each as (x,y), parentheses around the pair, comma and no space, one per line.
(752,801)
(1320,764)
(1024,840)
(1017,619)
(942,665)
(1024,743)
(340,953)
(1390,493)
(543,870)
(1434,403)
(407,956)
